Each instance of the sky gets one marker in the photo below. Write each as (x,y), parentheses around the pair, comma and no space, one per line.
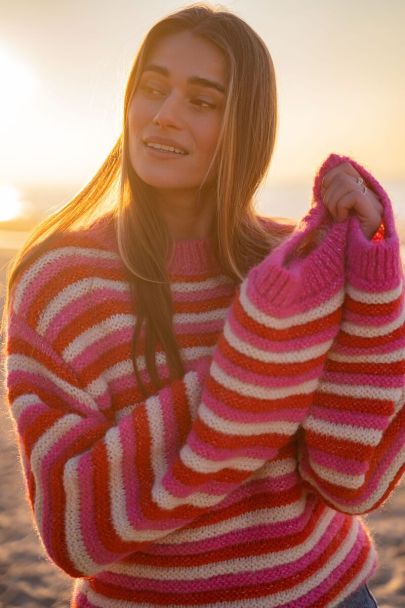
(340,69)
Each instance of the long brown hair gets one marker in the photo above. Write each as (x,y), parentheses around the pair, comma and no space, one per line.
(243,155)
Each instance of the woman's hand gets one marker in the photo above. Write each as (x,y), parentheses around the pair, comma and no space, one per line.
(345,193)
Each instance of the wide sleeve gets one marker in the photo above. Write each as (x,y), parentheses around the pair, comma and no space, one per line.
(101,490)
(353,444)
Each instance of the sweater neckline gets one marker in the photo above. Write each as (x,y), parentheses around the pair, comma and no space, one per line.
(192,256)
(188,257)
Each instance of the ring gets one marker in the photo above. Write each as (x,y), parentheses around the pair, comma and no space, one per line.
(360,181)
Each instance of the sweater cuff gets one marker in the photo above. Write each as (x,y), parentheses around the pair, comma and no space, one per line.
(285,282)
(372,265)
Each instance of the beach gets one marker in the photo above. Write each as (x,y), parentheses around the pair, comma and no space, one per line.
(29,580)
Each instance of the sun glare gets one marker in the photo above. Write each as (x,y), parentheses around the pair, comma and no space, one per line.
(11,206)
(18,85)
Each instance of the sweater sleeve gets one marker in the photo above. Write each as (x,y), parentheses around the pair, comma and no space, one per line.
(353,446)
(102,490)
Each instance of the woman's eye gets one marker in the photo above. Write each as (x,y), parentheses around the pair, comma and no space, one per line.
(203,103)
(151,91)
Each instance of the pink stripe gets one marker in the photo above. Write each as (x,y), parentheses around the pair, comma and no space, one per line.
(251,577)
(263,380)
(65,316)
(280,346)
(356,419)
(283,414)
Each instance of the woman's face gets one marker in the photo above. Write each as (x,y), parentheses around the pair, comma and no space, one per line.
(176,113)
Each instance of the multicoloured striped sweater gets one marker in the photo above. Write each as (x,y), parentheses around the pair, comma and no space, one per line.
(239,485)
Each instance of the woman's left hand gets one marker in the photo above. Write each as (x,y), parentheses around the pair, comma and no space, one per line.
(344,194)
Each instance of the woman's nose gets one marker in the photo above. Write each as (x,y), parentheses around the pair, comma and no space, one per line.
(169,112)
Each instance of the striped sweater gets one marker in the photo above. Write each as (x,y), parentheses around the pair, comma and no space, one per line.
(239,485)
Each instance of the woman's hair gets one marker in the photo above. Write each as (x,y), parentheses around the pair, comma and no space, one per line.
(244,150)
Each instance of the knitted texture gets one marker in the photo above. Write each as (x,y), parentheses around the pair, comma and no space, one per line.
(235,486)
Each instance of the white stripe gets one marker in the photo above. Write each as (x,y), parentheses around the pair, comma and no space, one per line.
(301,318)
(351,481)
(260,392)
(24,402)
(74,539)
(360,435)
(258,517)
(218,314)
(100,330)
(245,429)
(362,391)
(231,566)
(392,357)
(268,356)
(45,262)
(116,491)
(195,286)
(367,297)
(41,449)
(165,500)
(372,332)
(157,434)
(361,576)
(79,396)
(292,594)
(73,292)
(361,507)
(199,464)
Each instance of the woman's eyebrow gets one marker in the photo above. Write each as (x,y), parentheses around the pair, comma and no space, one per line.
(197,80)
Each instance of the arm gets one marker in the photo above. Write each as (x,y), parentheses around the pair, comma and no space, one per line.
(353,443)
(101,491)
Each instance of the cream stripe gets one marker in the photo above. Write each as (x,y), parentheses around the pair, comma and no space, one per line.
(299,319)
(361,507)
(116,490)
(195,286)
(362,575)
(269,356)
(165,500)
(218,314)
(284,513)
(74,539)
(373,332)
(260,392)
(383,297)
(245,429)
(231,566)
(361,391)
(360,435)
(47,259)
(73,292)
(392,357)
(93,334)
(22,403)
(199,464)
(80,397)
(352,481)
(41,449)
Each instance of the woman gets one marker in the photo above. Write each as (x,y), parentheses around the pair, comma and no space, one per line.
(204,398)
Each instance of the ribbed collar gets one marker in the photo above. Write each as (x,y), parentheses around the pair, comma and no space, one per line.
(192,256)
(189,256)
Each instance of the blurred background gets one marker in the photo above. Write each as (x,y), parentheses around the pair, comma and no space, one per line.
(340,70)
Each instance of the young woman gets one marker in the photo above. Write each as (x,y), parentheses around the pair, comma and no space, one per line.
(206,399)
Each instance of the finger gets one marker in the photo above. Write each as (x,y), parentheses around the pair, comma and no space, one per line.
(333,194)
(344,168)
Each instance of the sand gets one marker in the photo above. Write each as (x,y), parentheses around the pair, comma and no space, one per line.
(29,580)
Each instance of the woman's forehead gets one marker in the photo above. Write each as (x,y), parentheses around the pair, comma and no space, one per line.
(188,55)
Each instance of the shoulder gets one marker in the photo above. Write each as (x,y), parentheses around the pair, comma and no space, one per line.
(63,262)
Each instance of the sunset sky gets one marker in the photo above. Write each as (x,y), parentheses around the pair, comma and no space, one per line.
(340,68)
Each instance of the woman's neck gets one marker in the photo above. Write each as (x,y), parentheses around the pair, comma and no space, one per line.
(187,216)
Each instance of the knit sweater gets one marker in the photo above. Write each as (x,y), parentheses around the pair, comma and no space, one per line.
(239,485)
